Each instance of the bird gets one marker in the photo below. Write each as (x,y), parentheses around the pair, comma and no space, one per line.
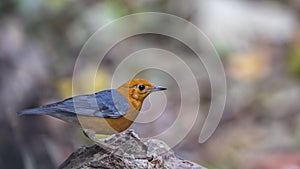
(106,112)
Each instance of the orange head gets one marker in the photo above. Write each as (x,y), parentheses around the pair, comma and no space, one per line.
(136,90)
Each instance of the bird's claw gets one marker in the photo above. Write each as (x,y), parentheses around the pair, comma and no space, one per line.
(149,158)
(133,134)
(118,152)
(92,135)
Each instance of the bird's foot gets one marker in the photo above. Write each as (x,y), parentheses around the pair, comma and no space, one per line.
(121,151)
(145,157)
(133,134)
(137,139)
(92,135)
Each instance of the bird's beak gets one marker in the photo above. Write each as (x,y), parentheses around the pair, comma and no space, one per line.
(157,88)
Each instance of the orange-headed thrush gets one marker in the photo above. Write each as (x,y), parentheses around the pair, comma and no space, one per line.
(105,112)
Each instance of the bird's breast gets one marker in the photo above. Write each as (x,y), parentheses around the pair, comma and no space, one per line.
(108,125)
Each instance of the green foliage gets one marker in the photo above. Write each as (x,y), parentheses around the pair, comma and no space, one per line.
(294,61)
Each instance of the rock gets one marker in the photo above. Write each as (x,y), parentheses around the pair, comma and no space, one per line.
(130,153)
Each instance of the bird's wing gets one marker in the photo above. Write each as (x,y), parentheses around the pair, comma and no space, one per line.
(107,103)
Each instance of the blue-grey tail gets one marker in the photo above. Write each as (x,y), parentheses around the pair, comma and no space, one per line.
(34,111)
(48,110)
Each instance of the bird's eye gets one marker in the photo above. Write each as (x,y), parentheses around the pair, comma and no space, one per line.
(141,87)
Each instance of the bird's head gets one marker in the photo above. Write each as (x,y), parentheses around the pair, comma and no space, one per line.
(136,90)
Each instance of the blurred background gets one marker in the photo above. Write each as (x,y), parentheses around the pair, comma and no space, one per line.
(258,42)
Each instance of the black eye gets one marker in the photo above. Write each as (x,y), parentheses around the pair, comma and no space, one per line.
(141,87)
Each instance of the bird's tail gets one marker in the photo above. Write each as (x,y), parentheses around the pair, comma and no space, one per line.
(34,111)
(47,110)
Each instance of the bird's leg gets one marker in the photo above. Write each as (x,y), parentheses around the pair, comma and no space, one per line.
(137,138)
(133,134)
(113,150)
(92,135)
(144,147)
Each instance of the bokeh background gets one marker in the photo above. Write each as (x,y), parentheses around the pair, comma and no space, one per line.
(258,42)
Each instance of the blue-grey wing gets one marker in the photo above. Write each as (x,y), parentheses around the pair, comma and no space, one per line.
(107,103)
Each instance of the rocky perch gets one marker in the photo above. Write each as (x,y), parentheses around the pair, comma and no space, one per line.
(131,152)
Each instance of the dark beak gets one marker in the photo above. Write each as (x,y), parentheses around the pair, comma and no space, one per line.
(157,88)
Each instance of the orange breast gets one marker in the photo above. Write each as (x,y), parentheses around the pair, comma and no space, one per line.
(108,125)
